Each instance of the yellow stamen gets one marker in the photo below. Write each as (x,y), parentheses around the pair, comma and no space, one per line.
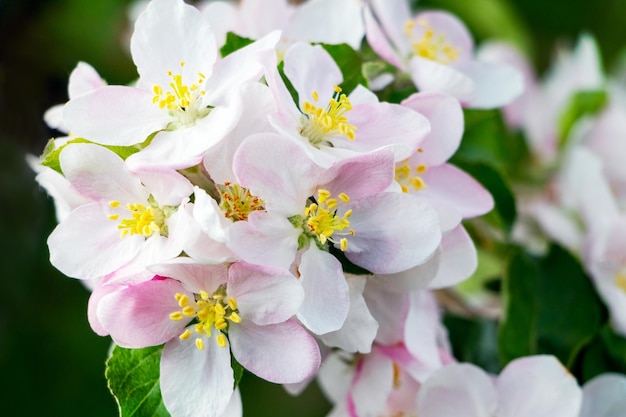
(322,123)
(185,335)
(199,343)
(323,221)
(430,45)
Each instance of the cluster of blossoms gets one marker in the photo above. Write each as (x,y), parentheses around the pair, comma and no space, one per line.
(245,206)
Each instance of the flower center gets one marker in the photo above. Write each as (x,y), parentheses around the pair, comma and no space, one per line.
(183,101)
(142,221)
(322,219)
(237,202)
(408,178)
(430,45)
(214,311)
(320,123)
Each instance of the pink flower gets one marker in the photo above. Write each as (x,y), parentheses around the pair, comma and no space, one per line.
(307,210)
(437,50)
(203,313)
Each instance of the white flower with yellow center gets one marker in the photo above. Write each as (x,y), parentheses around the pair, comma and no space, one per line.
(331,124)
(312,215)
(437,51)
(184,91)
(203,314)
(128,220)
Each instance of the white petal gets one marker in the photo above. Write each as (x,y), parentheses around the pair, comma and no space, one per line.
(604,396)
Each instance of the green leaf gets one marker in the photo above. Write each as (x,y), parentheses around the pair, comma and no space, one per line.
(133,378)
(50,157)
(493,180)
(233,43)
(474,341)
(237,370)
(582,103)
(349,63)
(551,307)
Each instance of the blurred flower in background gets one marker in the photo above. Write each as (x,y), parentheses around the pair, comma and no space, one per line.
(50,360)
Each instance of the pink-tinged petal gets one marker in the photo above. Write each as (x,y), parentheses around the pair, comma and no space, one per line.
(585,189)
(264,295)
(167,186)
(194,277)
(393,232)
(390,310)
(392,17)
(166,34)
(196,382)
(495,84)
(603,140)
(282,353)
(604,396)
(83,79)
(257,104)
(451,28)
(379,42)
(537,386)
(386,124)
(446,126)
(100,175)
(335,376)
(137,316)
(99,291)
(311,68)
(360,176)
(326,293)
(555,223)
(244,65)
(453,187)
(66,198)
(373,383)
(505,53)
(417,278)
(260,166)
(422,329)
(185,147)
(88,245)
(360,328)
(457,390)
(342,22)
(155,249)
(458,259)
(210,216)
(432,76)
(114,115)
(264,239)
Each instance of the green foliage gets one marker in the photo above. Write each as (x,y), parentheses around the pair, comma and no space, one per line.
(550,307)
(472,341)
(349,63)
(581,103)
(233,43)
(133,376)
(606,353)
(50,157)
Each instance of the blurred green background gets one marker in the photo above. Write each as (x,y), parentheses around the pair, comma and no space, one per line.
(50,361)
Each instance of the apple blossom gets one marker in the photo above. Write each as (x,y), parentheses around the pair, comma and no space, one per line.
(436,49)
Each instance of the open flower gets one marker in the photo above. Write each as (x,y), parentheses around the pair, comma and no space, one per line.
(128,220)
(203,313)
(531,386)
(331,125)
(184,91)
(309,212)
(437,50)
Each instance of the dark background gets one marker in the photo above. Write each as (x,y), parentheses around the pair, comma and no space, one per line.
(50,362)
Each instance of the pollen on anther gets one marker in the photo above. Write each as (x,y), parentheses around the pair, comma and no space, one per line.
(114,216)
(200,343)
(234,317)
(185,335)
(221,340)
(177,315)
(114,204)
